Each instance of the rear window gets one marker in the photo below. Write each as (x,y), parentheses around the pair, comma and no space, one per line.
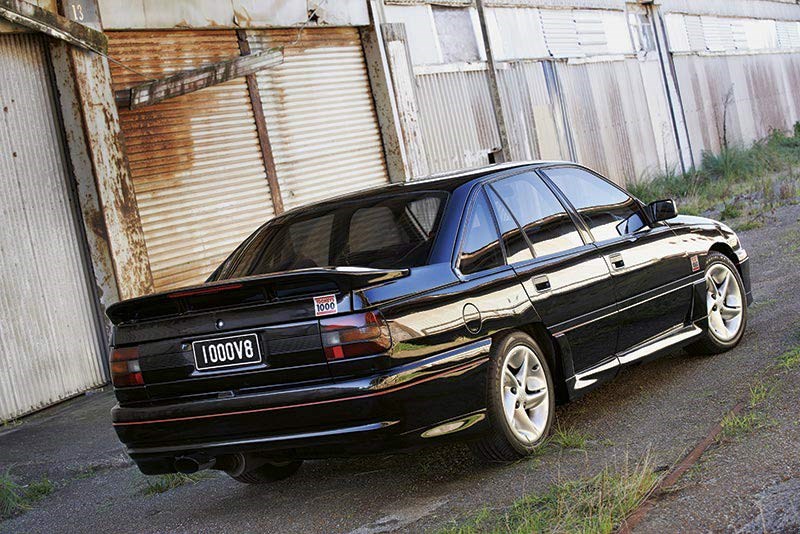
(386,232)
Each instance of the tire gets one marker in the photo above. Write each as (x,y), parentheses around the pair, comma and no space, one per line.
(268,472)
(508,441)
(722,337)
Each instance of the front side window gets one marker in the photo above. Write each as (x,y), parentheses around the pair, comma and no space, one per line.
(608,211)
(394,231)
(542,217)
(480,246)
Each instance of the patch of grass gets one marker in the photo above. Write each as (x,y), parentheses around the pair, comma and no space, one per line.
(730,211)
(12,496)
(164,483)
(752,224)
(15,498)
(569,438)
(760,392)
(790,359)
(736,425)
(598,504)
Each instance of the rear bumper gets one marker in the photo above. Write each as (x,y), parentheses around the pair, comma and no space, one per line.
(398,409)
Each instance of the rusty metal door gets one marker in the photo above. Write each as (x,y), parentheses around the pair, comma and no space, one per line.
(197,167)
(48,325)
(320,114)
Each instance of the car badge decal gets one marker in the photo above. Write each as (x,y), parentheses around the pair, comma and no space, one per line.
(325,305)
(695,264)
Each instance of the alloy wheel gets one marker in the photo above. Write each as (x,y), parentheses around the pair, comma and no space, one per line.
(525,394)
(724,302)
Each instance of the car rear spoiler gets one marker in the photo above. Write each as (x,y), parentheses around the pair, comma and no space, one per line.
(253,290)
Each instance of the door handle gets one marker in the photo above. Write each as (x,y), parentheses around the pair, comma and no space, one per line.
(616,261)
(541,283)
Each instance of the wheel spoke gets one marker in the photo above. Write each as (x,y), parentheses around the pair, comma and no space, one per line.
(532,400)
(509,378)
(725,286)
(524,424)
(730,312)
(716,322)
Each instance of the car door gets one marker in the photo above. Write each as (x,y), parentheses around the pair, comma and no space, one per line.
(647,262)
(565,278)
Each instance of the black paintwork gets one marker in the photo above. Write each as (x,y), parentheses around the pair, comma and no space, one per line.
(297,404)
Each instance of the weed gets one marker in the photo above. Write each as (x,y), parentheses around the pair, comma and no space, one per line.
(752,224)
(790,359)
(164,483)
(761,392)
(730,211)
(15,498)
(569,438)
(12,498)
(598,504)
(735,425)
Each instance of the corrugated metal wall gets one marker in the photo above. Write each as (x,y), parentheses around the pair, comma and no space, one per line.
(199,176)
(320,114)
(609,108)
(535,127)
(458,123)
(764,89)
(50,346)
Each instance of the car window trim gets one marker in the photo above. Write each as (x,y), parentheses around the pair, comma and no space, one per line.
(583,231)
(513,218)
(472,201)
(542,171)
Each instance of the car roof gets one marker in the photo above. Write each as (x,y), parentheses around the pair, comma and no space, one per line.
(442,182)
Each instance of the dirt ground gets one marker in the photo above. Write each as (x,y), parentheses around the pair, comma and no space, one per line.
(748,482)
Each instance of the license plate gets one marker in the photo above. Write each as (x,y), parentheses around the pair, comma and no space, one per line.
(226,352)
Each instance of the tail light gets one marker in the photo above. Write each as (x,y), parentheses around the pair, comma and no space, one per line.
(359,334)
(125,370)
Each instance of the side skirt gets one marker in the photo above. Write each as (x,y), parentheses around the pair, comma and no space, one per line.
(668,341)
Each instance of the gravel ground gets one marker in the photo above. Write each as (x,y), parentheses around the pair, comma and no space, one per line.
(662,408)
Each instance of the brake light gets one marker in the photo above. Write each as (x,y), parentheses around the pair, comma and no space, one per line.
(359,334)
(125,370)
(204,291)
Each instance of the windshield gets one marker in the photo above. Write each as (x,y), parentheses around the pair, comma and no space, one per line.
(389,231)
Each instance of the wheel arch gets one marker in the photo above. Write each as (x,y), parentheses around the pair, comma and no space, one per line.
(726,250)
(544,339)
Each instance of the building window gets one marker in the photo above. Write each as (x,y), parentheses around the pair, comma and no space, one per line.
(641,29)
(457,39)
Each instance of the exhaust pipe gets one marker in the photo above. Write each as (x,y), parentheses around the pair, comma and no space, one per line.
(237,464)
(192,464)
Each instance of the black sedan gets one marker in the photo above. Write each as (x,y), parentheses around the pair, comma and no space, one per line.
(460,308)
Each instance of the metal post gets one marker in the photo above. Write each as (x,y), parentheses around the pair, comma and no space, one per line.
(261,129)
(97,159)
(494,87)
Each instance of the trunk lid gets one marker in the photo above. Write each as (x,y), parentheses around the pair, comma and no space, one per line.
(278,308)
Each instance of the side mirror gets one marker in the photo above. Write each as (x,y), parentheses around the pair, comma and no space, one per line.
(661,210)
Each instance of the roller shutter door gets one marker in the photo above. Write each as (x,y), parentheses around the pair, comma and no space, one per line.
(320,114)
(197,168)
(48,323)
